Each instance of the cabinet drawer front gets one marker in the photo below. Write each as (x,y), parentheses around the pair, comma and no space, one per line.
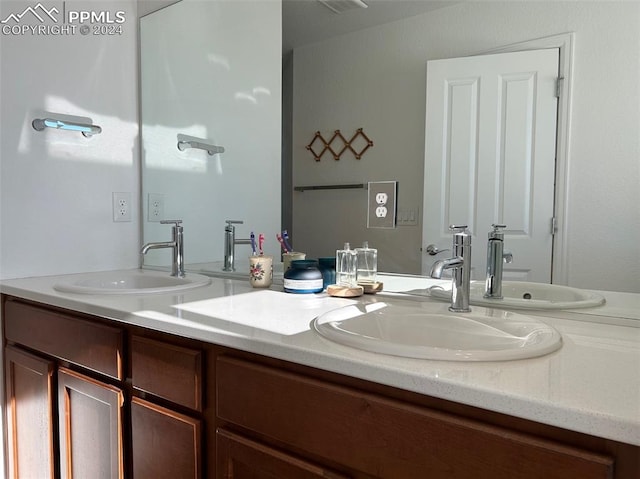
(387,438)
(171,372)
(241,458)
(79,341)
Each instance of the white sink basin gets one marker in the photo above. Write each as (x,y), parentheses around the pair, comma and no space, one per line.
(430,331)
(523,295)
(130,282)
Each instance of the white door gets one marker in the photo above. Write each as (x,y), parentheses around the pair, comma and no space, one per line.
(490,147)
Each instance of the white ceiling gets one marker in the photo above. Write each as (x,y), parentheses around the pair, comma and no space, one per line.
(308,21)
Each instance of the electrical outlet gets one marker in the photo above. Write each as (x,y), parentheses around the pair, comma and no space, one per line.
(155,207)
(121,206)
(382,204)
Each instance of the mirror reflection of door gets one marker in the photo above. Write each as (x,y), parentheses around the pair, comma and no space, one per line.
(490,146)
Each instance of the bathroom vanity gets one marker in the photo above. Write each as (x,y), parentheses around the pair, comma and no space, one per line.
(188,385)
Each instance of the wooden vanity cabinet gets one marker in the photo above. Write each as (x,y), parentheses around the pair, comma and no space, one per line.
(87,397)
(62,422)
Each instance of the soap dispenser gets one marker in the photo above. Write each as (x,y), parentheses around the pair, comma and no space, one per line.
(346,261)
(367,264)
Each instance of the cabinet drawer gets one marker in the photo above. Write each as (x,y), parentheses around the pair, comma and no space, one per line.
(241,458)
(171,372)
(387,438)
(78,341)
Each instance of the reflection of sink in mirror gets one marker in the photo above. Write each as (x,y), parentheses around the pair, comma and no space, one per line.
(430,331)
(215,269)
(137,281)
(523,295)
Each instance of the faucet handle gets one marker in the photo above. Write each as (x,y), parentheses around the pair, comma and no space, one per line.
(457,228)
(171,222)
(497,232)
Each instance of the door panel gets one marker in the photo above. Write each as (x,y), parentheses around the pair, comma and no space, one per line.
(29,381)
(490,156)
(90,427)
(165,443)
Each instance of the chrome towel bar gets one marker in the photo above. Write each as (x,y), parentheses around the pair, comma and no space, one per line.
(210,149)
(86,129)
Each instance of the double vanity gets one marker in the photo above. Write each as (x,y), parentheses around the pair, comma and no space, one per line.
(207,377)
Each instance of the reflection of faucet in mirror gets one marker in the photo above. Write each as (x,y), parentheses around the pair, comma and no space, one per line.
(460,263)
(495,258)
(177,244)
(230,243)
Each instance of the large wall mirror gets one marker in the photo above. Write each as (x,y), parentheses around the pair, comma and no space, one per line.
(341,72)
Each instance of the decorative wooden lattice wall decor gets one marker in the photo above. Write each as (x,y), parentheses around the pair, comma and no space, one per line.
(358,136)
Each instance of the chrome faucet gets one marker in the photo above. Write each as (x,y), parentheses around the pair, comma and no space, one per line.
(495,259)
(177,244)
(460,263)
(230,243)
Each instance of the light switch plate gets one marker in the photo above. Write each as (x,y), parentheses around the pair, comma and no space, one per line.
(408,216)
(381,211)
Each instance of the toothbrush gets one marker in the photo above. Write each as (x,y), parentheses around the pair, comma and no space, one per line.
(281,241)
(260,243)
(285,238)
(253,243)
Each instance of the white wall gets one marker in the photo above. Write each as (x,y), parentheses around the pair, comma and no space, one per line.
(219,79)
(375,79)
(56,186)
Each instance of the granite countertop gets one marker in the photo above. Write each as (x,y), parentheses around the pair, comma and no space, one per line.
(590,385)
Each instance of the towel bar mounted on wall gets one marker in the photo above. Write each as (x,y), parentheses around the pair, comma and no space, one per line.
(332,187)
(86,129)
(201,145)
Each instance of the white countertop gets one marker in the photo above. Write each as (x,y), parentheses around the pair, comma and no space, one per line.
(591,385)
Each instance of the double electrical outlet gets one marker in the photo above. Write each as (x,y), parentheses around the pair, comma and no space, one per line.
(382,204)
(155,207)
(122,206)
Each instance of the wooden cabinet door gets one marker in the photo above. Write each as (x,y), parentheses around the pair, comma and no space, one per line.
(29,395)
(90,421)
(241,458)
(165,444)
